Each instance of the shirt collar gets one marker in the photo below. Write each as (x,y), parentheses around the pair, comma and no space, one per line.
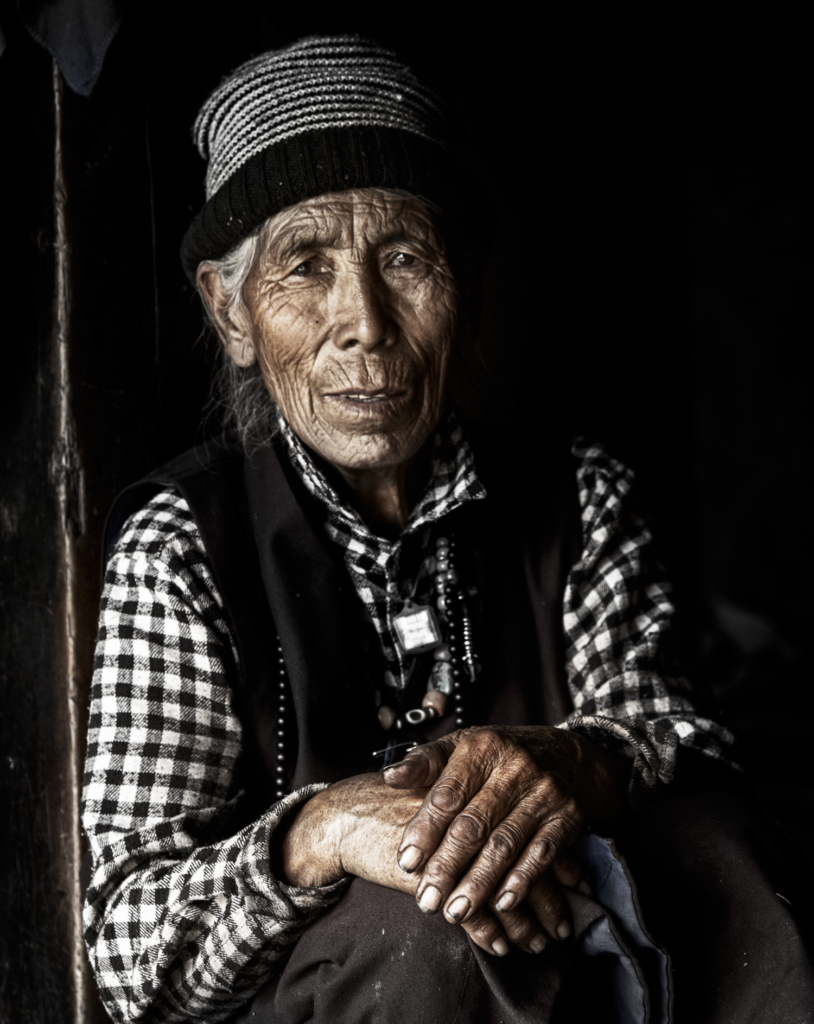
(453,477)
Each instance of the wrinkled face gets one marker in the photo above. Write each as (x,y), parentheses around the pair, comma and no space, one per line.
(352,311)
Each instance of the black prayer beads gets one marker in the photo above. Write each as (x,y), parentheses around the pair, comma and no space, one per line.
(281,782)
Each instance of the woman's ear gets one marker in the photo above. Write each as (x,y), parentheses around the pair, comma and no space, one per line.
(234,331)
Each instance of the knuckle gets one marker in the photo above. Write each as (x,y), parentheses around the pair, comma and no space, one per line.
(548,789)
(480,881)
(505,842)
(436,872)
(523,876)
(539,851)
(487,742)
(555,832)
(559,831)
(442,870)
(469,829)
(482,927)
(503,845)
(448,797)
(507,785)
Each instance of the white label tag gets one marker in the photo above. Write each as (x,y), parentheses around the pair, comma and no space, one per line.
(417,629)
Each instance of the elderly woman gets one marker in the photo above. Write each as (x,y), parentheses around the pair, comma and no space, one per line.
(349,572)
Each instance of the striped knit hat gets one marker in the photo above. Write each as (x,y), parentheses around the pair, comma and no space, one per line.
(325,114)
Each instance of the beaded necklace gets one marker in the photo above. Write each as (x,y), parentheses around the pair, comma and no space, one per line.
(445,630)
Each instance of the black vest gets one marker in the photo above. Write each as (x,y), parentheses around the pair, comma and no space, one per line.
(279,573)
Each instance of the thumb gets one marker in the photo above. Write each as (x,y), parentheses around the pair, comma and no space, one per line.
(423,765)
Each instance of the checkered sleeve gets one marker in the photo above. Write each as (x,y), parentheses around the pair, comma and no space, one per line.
(184,919)
(625,681)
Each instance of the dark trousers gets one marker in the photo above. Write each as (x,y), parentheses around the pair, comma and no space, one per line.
(708,870)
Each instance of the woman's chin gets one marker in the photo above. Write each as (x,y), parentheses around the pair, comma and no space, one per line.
(371,446)
(374,412)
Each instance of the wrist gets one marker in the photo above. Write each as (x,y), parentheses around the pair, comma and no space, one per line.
(305,847)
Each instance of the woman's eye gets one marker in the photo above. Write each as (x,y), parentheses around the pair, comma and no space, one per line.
(305,269)
(404,259)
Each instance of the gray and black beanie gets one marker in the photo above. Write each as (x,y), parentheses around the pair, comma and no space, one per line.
(325,114)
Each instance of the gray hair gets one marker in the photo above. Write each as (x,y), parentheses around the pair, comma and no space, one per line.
(239,395)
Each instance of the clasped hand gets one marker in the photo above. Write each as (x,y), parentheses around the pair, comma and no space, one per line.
(476,824)
(502,807)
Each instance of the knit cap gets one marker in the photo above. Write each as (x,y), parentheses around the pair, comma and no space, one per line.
(325,114)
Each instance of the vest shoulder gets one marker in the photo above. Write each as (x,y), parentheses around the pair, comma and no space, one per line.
(209,468)
(212,456)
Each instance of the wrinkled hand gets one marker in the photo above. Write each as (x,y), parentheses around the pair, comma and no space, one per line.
(504,804)
(351,828)
(355,828)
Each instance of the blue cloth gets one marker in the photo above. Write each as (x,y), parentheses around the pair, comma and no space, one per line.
(76,33)
(641,973)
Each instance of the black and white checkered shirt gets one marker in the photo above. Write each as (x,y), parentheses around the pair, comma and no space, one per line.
(184,919)
(387,573)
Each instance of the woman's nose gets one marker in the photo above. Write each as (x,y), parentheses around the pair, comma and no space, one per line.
(362,310)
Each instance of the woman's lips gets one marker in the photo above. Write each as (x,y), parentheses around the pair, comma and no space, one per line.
(371,402)
(367,394)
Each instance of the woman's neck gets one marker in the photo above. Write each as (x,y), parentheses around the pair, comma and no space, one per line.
(384,497)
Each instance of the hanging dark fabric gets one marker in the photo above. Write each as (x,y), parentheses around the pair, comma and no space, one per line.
(76,33)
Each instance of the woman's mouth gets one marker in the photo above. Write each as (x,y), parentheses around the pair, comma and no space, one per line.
(361,396)
(367,396)
(369,402)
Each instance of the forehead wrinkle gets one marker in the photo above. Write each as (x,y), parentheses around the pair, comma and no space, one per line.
(356,224)
(302,238)
(301,227)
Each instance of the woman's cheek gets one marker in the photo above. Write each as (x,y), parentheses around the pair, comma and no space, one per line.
(288,328)
(286,364)
(293,311)
(430,309)
(438,303)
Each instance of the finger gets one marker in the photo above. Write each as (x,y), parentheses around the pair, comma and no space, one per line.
(523,929)
(568,872)
(422,766)
(550,907)
(460,786)
(507,863)
(475,853)
(485,931)
(553,837)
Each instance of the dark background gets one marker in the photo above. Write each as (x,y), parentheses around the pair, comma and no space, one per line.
(650,286)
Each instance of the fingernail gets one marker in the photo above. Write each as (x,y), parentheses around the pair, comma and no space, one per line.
(430,900)
(506,901)
(538,943)
(563,929)
(410,858)
(459,908)
(501,947)
(584,888)
(394,767)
